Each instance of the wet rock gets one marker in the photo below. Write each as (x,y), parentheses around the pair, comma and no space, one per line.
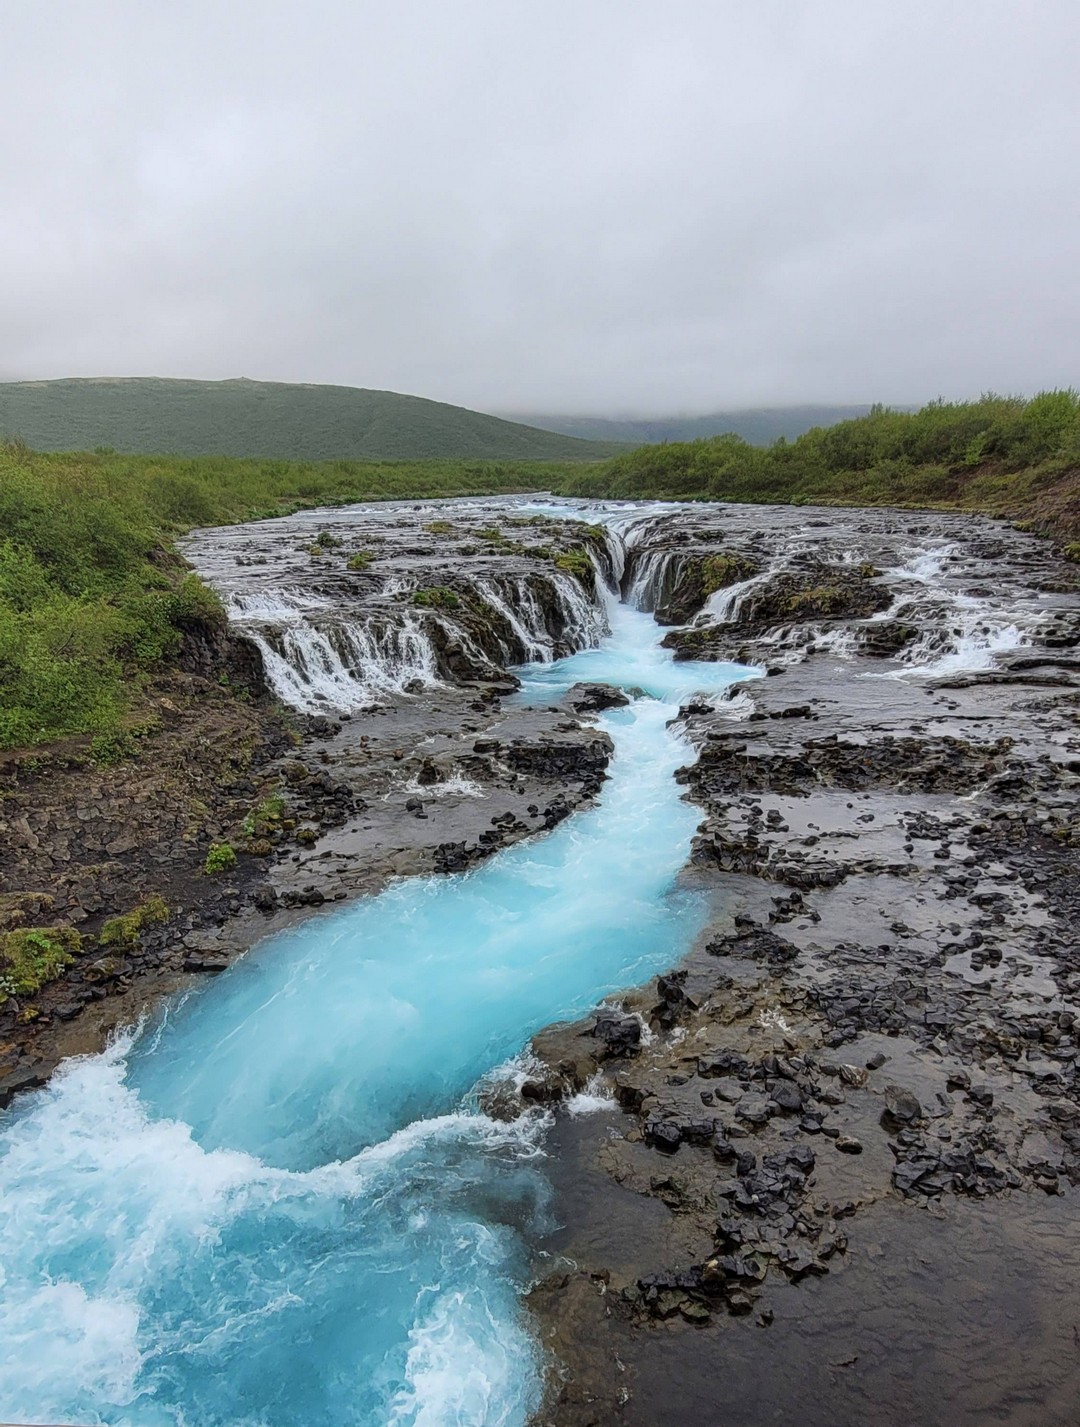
(594,698)
(664,1135)
(620,1033)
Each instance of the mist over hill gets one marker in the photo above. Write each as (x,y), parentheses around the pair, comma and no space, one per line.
(758,425)
(277,420)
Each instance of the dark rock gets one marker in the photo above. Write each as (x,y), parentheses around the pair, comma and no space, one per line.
(594,698)
(620,1033)
(901,1106)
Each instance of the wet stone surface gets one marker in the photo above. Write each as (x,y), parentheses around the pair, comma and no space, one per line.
(842,1133)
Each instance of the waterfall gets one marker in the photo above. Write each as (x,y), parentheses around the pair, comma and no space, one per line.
(335,636)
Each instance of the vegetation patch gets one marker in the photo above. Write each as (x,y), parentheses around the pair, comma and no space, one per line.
(30,957)
(436,597)
(126,930)
(577,563)
(221,857)
(266,817)
(719,571)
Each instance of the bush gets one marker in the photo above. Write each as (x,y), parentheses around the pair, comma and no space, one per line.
(359,560)
(265,817)
(32,956)
(221,857)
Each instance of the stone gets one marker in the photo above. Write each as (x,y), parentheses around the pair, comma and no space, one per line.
(901,1106)
(620,1033)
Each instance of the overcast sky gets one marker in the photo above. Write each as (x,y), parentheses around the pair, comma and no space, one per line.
(604,206)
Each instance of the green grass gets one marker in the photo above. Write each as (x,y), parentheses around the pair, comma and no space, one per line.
(94,600)
(278,420)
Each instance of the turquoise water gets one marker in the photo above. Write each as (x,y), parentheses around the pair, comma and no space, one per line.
(278,1205)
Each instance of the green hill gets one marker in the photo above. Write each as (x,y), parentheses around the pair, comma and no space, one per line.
(761,426)
(278,420)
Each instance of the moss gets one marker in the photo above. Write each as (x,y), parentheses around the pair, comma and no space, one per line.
(125,930)
(490,532)
(821,600)
(30,957)
(220,858)
(438,527)
(19,908)
(436,597)
(576,562)
(359,560)
(719,571)
(1072,551)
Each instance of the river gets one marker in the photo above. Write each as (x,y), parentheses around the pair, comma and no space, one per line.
(279,1201)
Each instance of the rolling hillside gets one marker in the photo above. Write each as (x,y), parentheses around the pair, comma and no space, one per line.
(277,420)
(759,425)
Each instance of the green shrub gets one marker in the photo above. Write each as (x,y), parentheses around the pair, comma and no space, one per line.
(220,858)
(359,560)
(32,956)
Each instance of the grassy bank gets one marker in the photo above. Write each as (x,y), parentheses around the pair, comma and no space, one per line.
(93,598)
(1005,455)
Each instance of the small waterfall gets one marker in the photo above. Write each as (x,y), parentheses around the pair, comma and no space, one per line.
(961,633)
(353,642)
(585,616)
(723,605)
(653,575)
(344,666)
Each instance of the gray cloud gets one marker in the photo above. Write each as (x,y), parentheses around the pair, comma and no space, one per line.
(578,205)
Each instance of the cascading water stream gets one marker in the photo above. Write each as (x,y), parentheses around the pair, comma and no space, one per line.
(277,1204)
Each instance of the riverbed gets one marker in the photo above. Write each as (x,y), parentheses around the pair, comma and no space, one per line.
(319,1187)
